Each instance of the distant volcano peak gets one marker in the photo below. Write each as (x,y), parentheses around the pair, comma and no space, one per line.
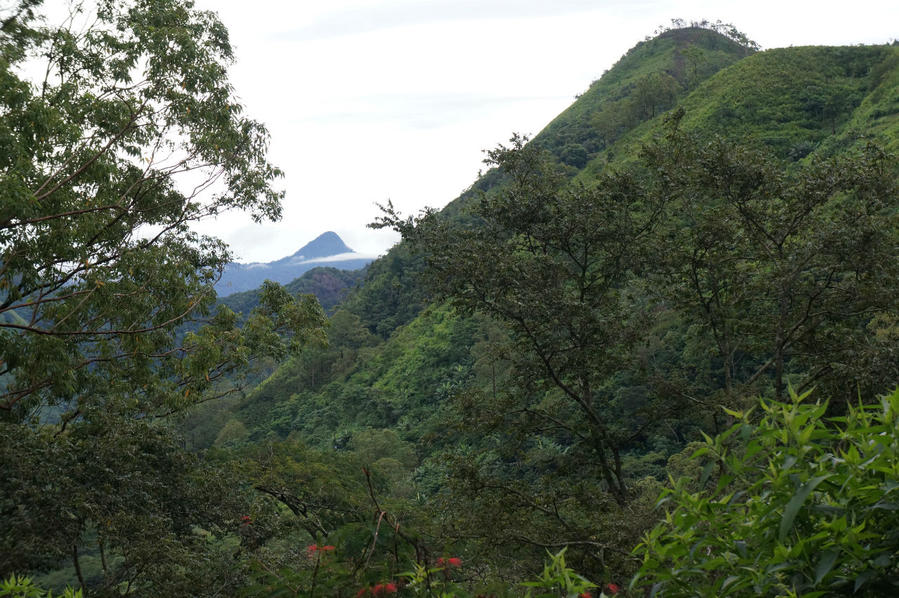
(324,245)
(327,249)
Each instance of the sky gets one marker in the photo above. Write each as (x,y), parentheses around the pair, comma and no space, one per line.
(376,100)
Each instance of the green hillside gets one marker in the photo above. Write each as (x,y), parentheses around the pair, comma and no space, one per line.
(646,81)
(800,100)
(329,285)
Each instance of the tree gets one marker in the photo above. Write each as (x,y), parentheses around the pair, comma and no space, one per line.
(652,94)
(105,162)
(787,268)
(130,133)
(120,493)
(554,263)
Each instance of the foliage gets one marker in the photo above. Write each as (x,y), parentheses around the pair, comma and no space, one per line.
(777,262)
(118,489)
(503,468)
(326,394)
(98,259)
(511,381)
(131,136)
(559,580)
(554,263)
(22,587)
(789,96)
(799,505)
(646,80)
(329,285)
(389,297)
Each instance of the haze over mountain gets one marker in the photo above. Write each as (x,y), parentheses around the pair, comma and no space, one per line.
(328,249)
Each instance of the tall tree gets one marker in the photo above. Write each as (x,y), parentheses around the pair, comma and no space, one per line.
(127,134)
(105,161)
(554,262)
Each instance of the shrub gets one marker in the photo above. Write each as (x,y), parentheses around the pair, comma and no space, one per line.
(802,506)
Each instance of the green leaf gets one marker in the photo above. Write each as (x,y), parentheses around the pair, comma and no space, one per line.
(792,508)
(883,560)
(825,564)
(863,579)
(706,472)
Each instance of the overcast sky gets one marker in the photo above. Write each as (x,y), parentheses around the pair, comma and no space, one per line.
(370,100)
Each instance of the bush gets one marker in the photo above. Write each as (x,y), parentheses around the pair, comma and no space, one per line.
(18,586)
(802,506)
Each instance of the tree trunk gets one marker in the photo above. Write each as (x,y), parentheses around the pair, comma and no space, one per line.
(78,569)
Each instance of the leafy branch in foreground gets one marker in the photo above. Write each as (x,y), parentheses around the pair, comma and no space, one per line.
(130,134)
(802,506)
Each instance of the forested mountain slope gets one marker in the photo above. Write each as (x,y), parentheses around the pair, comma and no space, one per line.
(798,101)
(329,285)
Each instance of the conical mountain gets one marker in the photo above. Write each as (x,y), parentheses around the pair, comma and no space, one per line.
(324,245)
(328,249)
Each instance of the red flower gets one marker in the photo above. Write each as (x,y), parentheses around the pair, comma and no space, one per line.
(380,589)
(313,548)
(585,595)
(361,592)
(455,561)
(245,520)
(613,588)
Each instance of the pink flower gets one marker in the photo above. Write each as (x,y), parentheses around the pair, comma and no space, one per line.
(613,588)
